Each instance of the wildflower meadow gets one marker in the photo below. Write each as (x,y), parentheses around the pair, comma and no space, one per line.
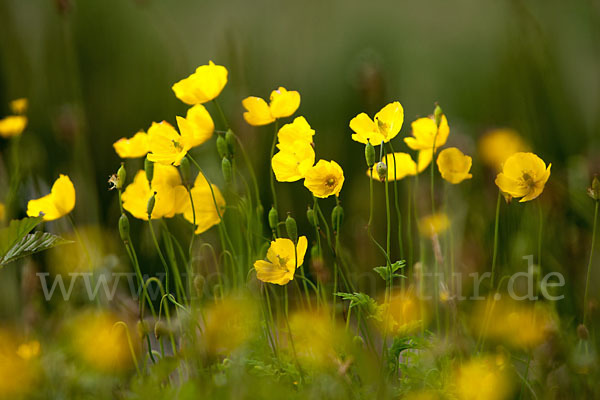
(183,219)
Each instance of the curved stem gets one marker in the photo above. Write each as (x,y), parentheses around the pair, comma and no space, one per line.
(589,268)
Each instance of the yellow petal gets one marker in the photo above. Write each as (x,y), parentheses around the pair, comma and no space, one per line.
(2,212)
(324,179)
(204,210)
(136,195)
(453,165)
(496,146)
(365,130)
(284,103)
(197,127)
(291,164)
(424,159)
(12,125)
(389,120)
(269,272)
(203,85)
(19,106)
(258,112)
(299,130)
(57,204)
(166,146)
(135,147)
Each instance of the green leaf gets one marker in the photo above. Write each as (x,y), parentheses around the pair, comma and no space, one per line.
(16,241)
(389,273)
(359,299)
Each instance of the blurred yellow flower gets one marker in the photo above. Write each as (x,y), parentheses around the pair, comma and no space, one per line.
(403,313)
(166,146)
(423,395)
(98,343)
(170,197)
(204,205)
(383,128)
(203,85)
(497,145)
(406,166)
(482,379)
(523,175)
(57,204)
(134,147)
(282,260)
(13,125)
(283,103)
(291,165)
(324,179)
(289,134)
(29,350)
(18,368)
(432,225)
(19,106)
(2,212)
(197,125)
(454,166)
(425,132)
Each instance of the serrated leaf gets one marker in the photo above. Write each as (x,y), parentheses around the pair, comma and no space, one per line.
(360,300)
(30,244)
(15,232)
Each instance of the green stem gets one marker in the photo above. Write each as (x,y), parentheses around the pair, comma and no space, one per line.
(589,268)
(160,254)
(271,173)
(396,203)
(221,113)
(496,226)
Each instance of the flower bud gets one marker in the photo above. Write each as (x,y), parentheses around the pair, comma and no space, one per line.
(381,169)
(149,168)
(151,203)
(142,328)
(124,227)
(226,169)
(121,177)
(437,115)
(370,154)
(337,217)
(230,139)
(199,284)
(582,332)
(594,191)
(358,341)
(310,215)
(273,219)
(291,228)
(184,170)
(222,146)
(160,329)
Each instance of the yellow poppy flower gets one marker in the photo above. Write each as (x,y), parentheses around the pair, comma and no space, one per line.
(283,103)
(482,379)
(57,204)
(403,313)
(134,147)
(291,164)
(496,146)
(425,132)
(2,212)
(20,373)
(19,106)
(324,179)
(203,85)
(523,175)
(383,128)
(204,205)
(298,130)
(282,260)
(406,166)
(12,125)
(454,166)
(170,193)
(197,125)
(432,225)
(166,146)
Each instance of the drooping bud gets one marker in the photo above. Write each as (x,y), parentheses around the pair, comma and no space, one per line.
(370,154)
(292,228)
(437,115)
(199,284)
(230,139)
(226,169)
(142,328)
(310,215)
(121,177)
(381,169)
(149,168)
(594,190)
(184,170)
(273,219)
(337,217)
(124,227)
(222,146)
(161,329)
(151,203)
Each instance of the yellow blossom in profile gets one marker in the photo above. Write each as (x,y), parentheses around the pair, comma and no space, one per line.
(57,204)
(204,205)
(99,343)
(291,165)
(402,313)
(283,103)
(134,147)
(203,85)
(197,126)
(13,125)
(2,212)
(383,128)
(497,145)
(19,106)
(298,130)
(425,132)
(324,179)
(405,166)
(432,225)
(482,379)
(453,165)
(523,175)
(170,193)
(166,145)
(282,260)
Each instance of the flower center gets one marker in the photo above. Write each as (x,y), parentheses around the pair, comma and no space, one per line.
(330,182)
(177,145)
(528,179)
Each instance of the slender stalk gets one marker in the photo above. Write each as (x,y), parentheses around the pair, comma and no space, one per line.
(221,113)
(589,268)
(160,254)
(396,203)
(271,173)
(496,226)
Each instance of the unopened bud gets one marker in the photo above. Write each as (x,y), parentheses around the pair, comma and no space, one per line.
(437,115)
(121,177)
(160,329)
(226,169)
(582,332)
(230,139)
(370,154)
(199,284)
(381,169)
(273,219)
(310,215)
(594,191)
(337,217)
(184,170)
(291,228)
(124,227)
(149,168)
(150,207)
(358,341)
(222,146)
